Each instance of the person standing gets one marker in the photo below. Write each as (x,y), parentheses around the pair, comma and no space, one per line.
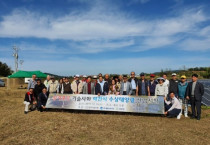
(60,86)
(38,88)
(66,87)
(117,81)
(102,87)
(89,87)
(195,91)
(84,79)
(99,75)
(134,82)
(142,88)
(152,85)
(77,85)
(53,85)
(173,84)
(47,81)
(120,79)
(126,88)
(107,79)
(113,88)
(32,82)
(161,89)
(182,87)
(173,106)
(166,80)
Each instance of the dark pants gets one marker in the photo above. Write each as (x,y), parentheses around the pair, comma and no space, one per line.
(133,92)
(41,109)
(195,104)
(175,112)
(124,93)
(152,94)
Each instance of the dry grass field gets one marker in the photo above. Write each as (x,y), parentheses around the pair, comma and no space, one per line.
(75,127)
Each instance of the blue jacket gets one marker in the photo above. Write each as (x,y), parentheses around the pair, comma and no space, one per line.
(182,90)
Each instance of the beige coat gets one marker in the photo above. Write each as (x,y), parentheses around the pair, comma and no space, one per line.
(52,87)
(74,86)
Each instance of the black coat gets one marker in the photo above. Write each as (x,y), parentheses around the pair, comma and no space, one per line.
(105,89)
(27,96)
(38,89)
(198,92)
(173,86)
(42,99)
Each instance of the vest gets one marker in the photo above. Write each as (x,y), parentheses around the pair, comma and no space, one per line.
(67,88)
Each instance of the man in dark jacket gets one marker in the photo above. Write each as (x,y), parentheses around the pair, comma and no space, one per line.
(195,91)
(173,85)
(101,87)
(43,99)
(142,87)
(38,88)
(152,85)
(134,82)
(107,79)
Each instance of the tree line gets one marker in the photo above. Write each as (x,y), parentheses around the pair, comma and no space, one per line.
(5,70)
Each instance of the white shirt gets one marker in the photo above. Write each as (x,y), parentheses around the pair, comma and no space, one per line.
(102,85)
(161,90)
(175,103)
(133,83)
(125,86)
(166,83)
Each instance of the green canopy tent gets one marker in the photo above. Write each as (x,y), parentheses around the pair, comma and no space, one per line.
(27,74)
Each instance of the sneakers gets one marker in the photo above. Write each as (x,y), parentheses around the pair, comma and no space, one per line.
(179,116)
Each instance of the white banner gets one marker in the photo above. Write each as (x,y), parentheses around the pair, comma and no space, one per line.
(119,103)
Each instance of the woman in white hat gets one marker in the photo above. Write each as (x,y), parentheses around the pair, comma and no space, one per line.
(161,89)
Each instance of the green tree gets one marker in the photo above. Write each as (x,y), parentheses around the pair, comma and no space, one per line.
(5,70)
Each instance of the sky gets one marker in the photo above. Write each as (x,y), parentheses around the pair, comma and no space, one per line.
(68,37)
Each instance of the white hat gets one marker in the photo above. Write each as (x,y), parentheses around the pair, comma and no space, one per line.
(95,77)
(84,76)
(173,74)
(161,78)
(77,76)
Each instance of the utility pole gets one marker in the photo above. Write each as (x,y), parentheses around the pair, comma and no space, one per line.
(15,55)
(21,64)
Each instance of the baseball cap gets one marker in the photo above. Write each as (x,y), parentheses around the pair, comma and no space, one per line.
(84,76)
(77,76)
(173,74)
(183,77)
(152,75)
(142,74)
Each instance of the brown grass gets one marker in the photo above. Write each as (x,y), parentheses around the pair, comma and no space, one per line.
(69,127)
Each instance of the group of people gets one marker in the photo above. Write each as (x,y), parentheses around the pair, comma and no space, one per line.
(175,92)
